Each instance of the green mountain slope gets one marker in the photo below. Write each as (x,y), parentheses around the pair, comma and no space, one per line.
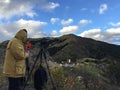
(75,47)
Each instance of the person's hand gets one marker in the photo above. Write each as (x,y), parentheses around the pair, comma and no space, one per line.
(26,55)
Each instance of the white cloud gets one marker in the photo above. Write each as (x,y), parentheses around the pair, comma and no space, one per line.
(67,7)
(115,24)
(84,22)
(113,31)
(16,7)
(49,5)
(103,8)
(111,35)
(93,33)
(83,9)
(34,28)
(31,23)
(5,1)
(69,29)
(66,22)
(10,8)
(90,32)
(38,35)
(54,20)
(54,33)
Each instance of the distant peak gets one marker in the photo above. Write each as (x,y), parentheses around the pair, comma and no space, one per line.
(69,35)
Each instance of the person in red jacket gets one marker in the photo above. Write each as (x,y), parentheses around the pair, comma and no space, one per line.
(28,46)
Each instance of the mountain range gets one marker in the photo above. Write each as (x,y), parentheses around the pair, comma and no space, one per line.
(70,47)
(95,61)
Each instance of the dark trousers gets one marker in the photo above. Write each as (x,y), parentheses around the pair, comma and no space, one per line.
(15,83)
(39,89)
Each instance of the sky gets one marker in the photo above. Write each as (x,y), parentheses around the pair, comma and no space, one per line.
(96,19)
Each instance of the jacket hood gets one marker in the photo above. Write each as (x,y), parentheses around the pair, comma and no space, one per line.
(22,35)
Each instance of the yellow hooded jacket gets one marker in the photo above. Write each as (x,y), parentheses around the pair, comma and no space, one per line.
(14,63)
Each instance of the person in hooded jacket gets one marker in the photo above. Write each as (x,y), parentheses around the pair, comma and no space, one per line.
(14,63)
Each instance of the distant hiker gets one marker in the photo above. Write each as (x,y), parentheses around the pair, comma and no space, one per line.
(14,64)
(40,78)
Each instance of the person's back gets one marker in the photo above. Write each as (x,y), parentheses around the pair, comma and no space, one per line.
(40,78)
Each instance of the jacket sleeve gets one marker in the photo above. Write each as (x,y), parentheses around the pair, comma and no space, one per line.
(17,50)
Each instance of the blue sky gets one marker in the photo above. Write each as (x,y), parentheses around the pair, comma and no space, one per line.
(97,19)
